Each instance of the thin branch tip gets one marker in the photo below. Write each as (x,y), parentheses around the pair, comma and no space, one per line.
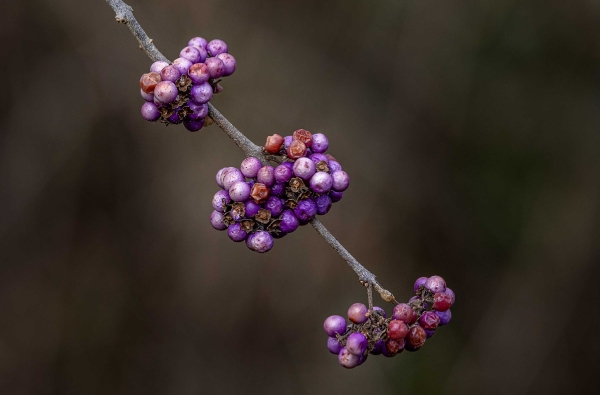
(124,15)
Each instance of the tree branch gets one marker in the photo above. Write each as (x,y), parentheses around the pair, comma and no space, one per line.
(124,14)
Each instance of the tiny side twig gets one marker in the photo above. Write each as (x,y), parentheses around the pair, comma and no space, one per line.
(124,14)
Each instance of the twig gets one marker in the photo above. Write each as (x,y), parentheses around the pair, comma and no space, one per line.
(124,14)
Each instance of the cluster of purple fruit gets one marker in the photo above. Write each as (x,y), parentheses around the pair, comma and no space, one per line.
(371,332)
(180,91)
(260,203)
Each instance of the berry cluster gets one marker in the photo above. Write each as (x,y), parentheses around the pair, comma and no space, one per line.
(371,332)
(260,203)
(179,92)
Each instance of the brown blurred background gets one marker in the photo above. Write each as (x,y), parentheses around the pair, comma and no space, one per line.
(471,131)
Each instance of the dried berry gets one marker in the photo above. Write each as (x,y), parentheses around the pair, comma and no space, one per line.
(273,144)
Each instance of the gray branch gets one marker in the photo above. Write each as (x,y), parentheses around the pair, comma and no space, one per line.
(124,14)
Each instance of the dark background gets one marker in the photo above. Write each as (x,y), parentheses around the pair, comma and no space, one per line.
(471,131)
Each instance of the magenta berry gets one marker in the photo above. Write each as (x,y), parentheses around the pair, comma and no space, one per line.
(198,42)
(239,191)
(347,359)
(228,62)
(397,330)
(357,343)
(357,313)
(165,92)
(444,316)
(435,284)
(320,143)
(415,338)
(215,67)
(405,313)
(216,220)
(236,233)
(158,66)
(333,345)
(304,168)
(183,65)
(170,73)
(334,325)
(216,47)
(150,111)
(442,301)
(429,320)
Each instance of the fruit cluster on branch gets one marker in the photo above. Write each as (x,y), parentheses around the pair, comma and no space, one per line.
(261,203)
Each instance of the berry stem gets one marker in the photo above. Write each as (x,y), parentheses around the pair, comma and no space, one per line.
(124,14)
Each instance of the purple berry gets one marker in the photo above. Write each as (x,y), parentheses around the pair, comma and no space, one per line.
(336,196)
(231,177)
(236,233)
(287,140)
(357,313)
(265,176)
(377,347)
(434,283)
(250,167)
(252,208)
(278,189)
(239,191)
(175,118)
(170,73)
(323,204)
(215,67)
(283,173)
(193,125)
(347,359)
(165,92)
(216,220)
(320,143)
(183,65)
(218,178)
(380,310)
(304,168)
(158,66)
(444,316)
(321,182)
(429,320)
(217,201)
(333,345)
(199,111)
(289,221)
(147,96)
(451,293)
(306,210)
(429,333)
(403,312)
(150,111)
(334,325)
(198,42)
(199,73)
(341,180)
(229,63)
(273,204)
(318,158)
(260,241)
(202,93)
(357,343)
(193,54)
(334,166)
(420,282)
(216,47)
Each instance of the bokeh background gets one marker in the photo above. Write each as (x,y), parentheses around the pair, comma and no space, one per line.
(471,131)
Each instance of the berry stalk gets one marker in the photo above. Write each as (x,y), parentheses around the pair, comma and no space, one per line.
(124,14)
